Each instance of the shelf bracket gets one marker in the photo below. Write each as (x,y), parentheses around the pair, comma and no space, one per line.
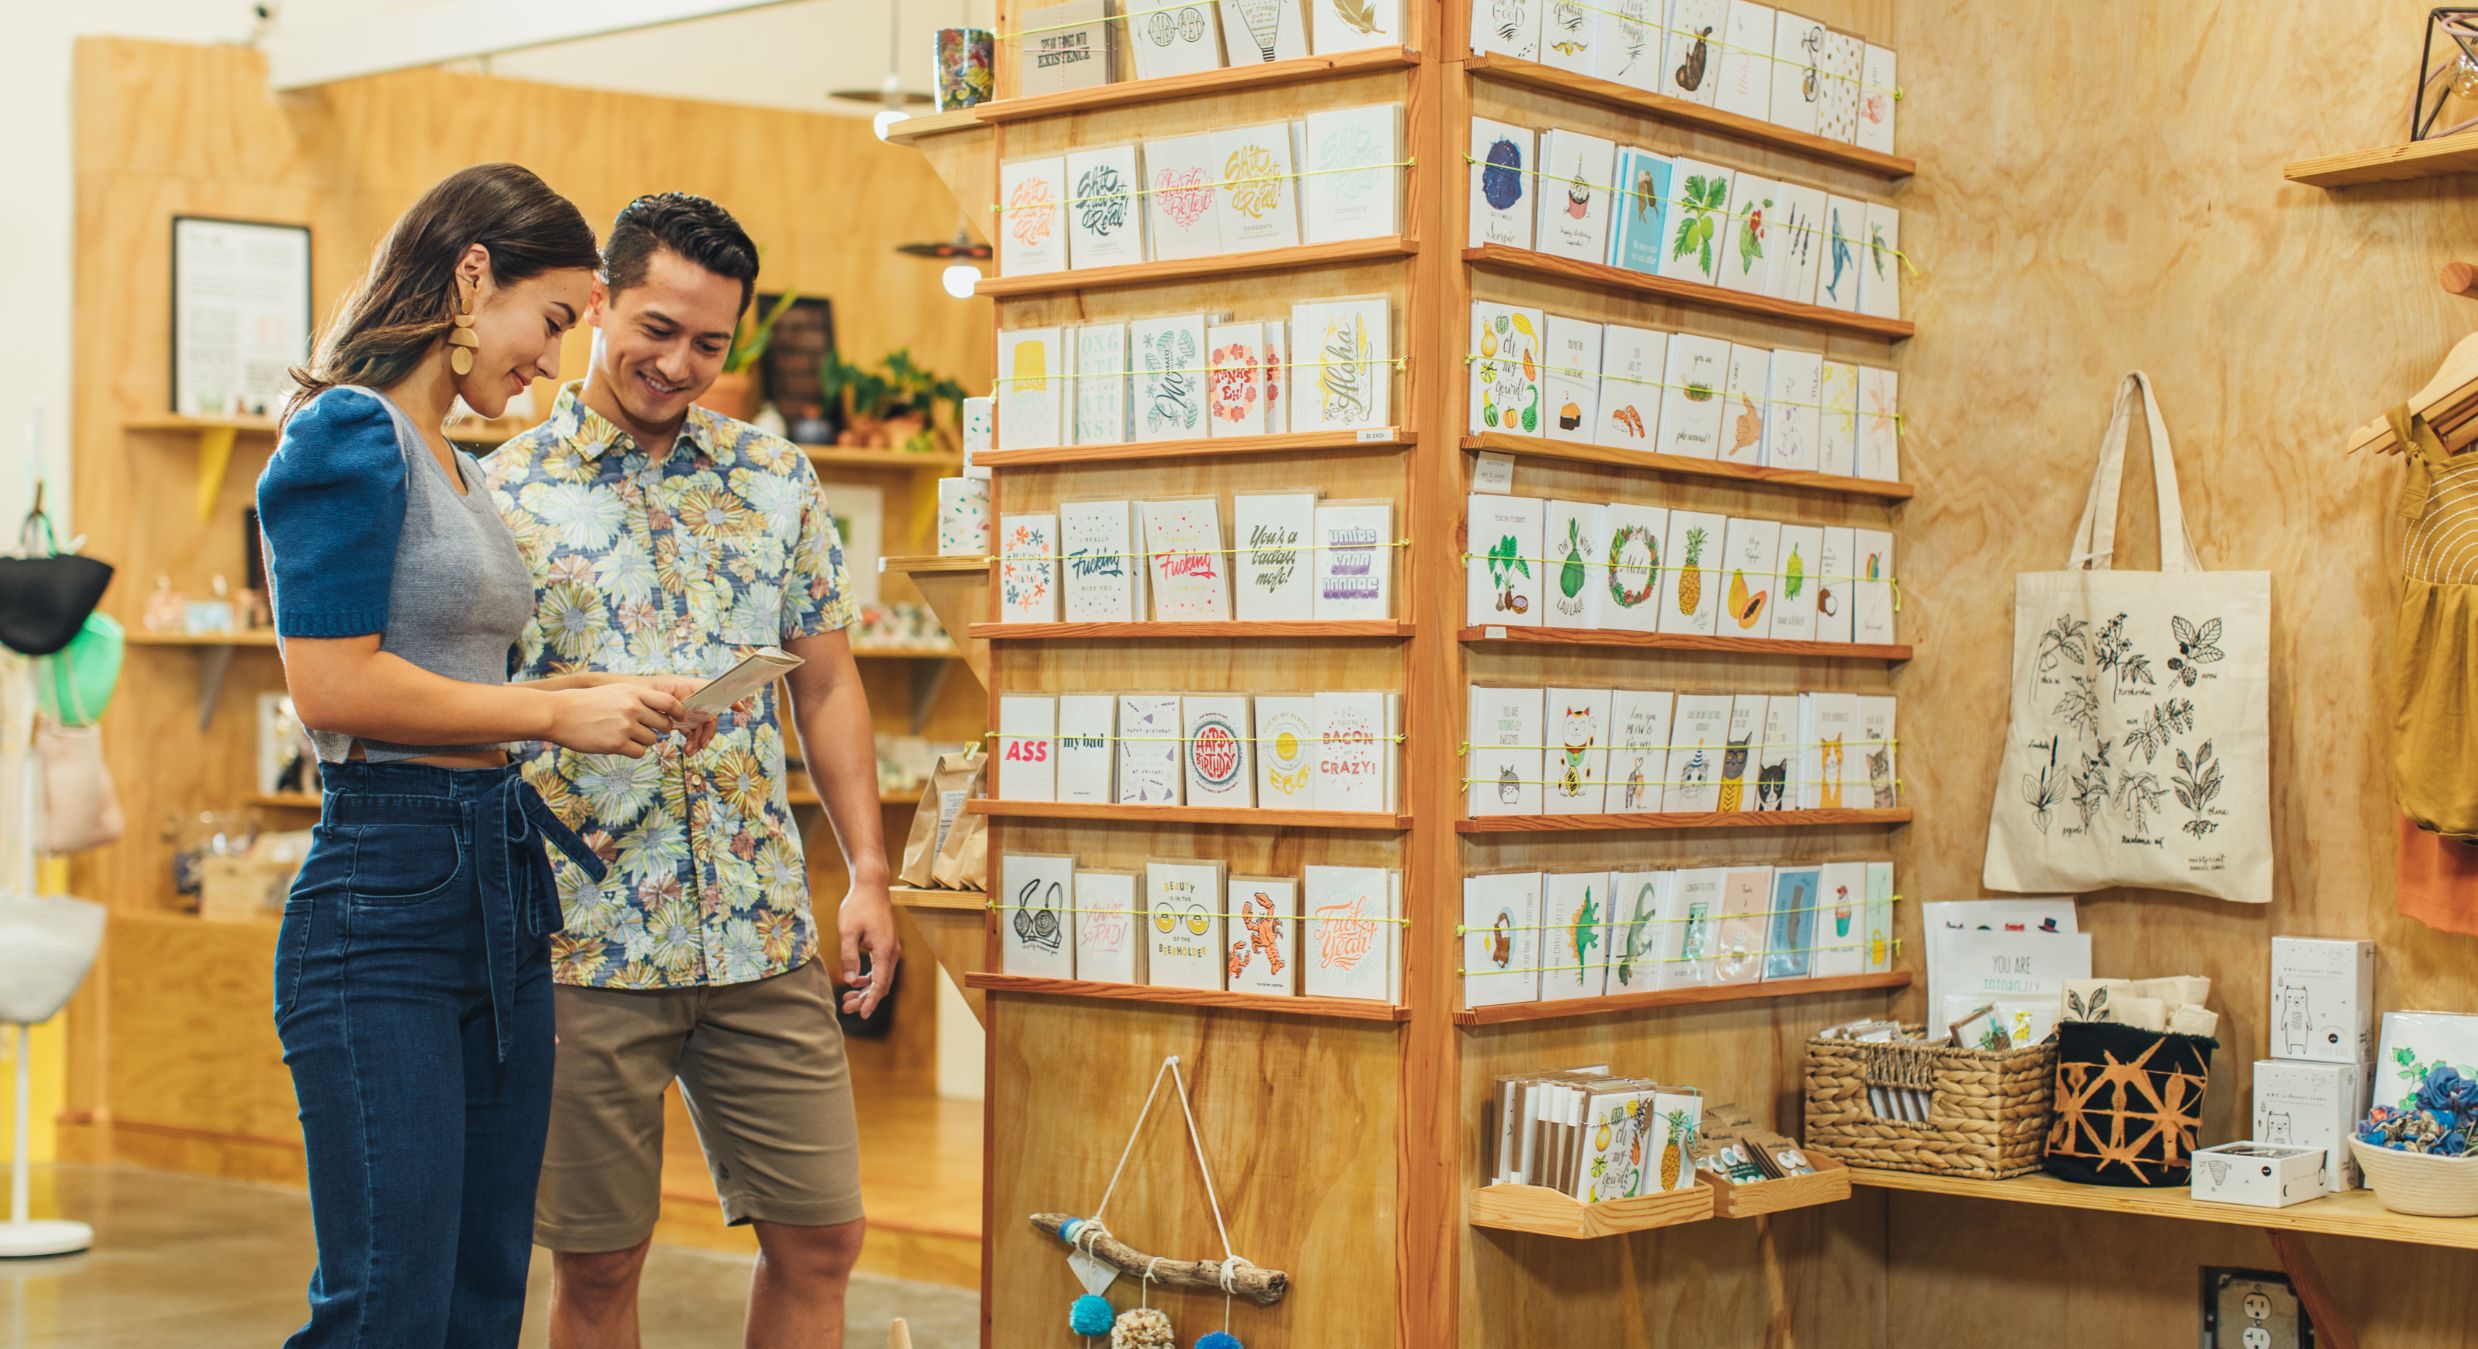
(214,457)
(928,680)
(214,663)
(2306,1277)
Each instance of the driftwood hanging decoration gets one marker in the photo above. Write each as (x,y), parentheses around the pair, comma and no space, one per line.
(1259,1285)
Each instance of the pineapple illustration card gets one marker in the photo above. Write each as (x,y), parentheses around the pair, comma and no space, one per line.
(1108,919)
(1217,738)
(1235,379)
(1034,934)
(1879,917)
(1776,754)
(1699,221)
(1845,249)
(1187,566)
(1175,40)
(1150,772)
(1798,71)
(1746,66)
(1574,941)
(1629,52)
(1739,746)
(1639,211)
(1286,751)
(1087,747)
(1690,592)
(1570,385)
(1169,375)
(1798,241)
(1836,114)
(1033,235)
(1698,737)
(1183,904)
(1506,28)
(1570,35)
(1028,569)
(1501,938)
(1638,751)
(1876,101)
(1506,559)
(1105,225)
(1353,189)
(1749,550)
(1641,902)
(1631,361)
(1346,346)
(1575,532)
(1837,425)
(1501,180)
(1349,946)
(1182,176)
(1740,933)
(1351,751)
(1574,194)
(1027,747)
(1794,411)
(1687,936)
(1871,614)
(1259,193)
(1263,927)
(1789,939)
(1695,371)
(1747,260)
(1504,767)
(1274,575)
(1631,582)
(1099,579)
(1100,416)
(1828,722)
(1840,937)
(1260,31)
(1793,603)
(1031,388)
(1354,560)
(1691,68)
(1354,25)
(1745,404)
(1506,376)
(1880,271)
(1579,764)
(1834,581)
(1880,424)
(1681,1113)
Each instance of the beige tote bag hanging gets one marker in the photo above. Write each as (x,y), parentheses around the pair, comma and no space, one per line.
(2139,748)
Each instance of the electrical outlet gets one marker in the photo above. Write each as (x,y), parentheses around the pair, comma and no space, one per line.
(2252,1309)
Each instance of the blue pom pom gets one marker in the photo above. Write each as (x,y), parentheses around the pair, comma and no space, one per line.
(1090,1316)
(1220,1339)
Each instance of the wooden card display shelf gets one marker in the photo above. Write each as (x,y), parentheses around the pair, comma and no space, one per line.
(1829,1185)
(1381,629)
(2442,157)
(1751,130)
(1679,820)
(912,651)
(953,924)
(1541,1211)
(1675,641)
(286,800)
(897,461)
(188,425)
(1196,269)
(1600,276)
(245,637)
(956,588)
(1682,466)
(1343,1009)
(1203,84)
(945,901)
(922,126)
(930,564)
(1373,821)
(1392,438)
(1567,1008)
(2351,1213)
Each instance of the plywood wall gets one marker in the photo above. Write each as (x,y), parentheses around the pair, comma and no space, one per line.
(2100,191)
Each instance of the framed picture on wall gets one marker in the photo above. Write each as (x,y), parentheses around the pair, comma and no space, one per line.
(240,314)
(860,517)
(803,340)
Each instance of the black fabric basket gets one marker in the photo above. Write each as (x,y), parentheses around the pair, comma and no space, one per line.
(2129,1104)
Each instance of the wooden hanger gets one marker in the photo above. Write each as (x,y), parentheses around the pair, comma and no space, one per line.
(2461,278)
(2449,403)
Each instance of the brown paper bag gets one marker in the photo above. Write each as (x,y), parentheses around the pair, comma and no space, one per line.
(955,780)
(963,855)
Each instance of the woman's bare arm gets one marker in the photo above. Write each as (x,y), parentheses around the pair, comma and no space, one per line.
(349,686)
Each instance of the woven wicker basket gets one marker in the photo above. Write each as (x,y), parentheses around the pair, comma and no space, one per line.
(2413,1182)
(1987,1114)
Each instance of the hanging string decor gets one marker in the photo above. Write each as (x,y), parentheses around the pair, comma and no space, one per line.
(1219,1339)
(1089,1316)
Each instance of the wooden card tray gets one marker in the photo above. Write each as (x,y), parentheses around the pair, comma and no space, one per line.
(1829,1185)
(1554,1213)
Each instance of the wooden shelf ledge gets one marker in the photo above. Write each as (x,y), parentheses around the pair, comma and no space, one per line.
(1682,466)
(950,901)
(1371,820)
(2351,1213)
(922,126)
(1673,641)
(1611,1004)
(1752,130)
(245,637)
(924,651)
(1387,629)
(190,425)
(1682,820)
(904,461)
(1541,1211)
(1346,1009)
(930,564)
(287,800)
(1203,84)
(1387,439)
(1197,269)
(1601,276)
(1829,1185)
(2442,157)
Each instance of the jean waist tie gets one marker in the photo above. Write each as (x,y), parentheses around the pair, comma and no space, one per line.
(520,895)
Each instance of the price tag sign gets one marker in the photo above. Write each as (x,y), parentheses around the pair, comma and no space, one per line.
(1378,435)
(1493,473)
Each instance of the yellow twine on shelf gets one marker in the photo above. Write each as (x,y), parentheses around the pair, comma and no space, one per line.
(1251,549)
(1615,189)
(1249,180)
(1464,749)
(1608,925)
(1853,413)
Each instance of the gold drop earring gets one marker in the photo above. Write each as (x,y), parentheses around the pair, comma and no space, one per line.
(461,342)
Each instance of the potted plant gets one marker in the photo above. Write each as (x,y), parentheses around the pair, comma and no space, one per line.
(736,393)
(891,407)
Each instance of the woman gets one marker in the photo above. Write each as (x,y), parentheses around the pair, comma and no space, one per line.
(412,983)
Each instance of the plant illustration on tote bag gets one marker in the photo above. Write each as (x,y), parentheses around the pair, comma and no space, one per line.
(2114,652)
(2198,780)
(2150,738)
(2041,791)
(2078,707)
(2092,783)
(2196,648)
(2066,639)
(2138,795)
(1699,213)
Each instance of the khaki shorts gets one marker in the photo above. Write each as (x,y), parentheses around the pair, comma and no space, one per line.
(761,1068)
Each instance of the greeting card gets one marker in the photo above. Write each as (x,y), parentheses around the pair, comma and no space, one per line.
(1183,901)
(1028,569)
(1506,27)
(1354,560)
(1798,241)
(1845,254)
(1346,346)
(1834,583)
(1798,71)
(1880,279)
(979,419)
(1503,572)
(1691,396)
(1746,66)
(1876,103)
(1276,579)
(1169,378)
(1687,935)
(1263,928)
(1871,614)
(1031,390)
(1032,235)
(1501,179)
(1690,578)
(1748,553)
(1629,51)
(1840,945)
(1065,46)
(1506,374)
(1631,584)
(1259,194)
(1501,938)
(1286,751)
(1504,770)
(1571,387)
(1261,31)
(1871,772)
(1828,722)
(1836,117)
(1150,737)
(1354,751)
(1027,747)
(1880,424)
(1350,946)
(1187,565)
(1578,722)
(1776,754)
(1631,362)
(1034,936)
(1837,424)
(1639,219)
(1879,917)
(1086,748)
(1355,25)
(1747,261)
(1638,751)
(1353,189)
(1570,35)
(1574,941)
(1793,410)
(1791,934)
(1745,410)
(1175,40)
(1576,170)
(1801,574)
(1691,67)
(1218,738)
(1100,581)
(1104,226)
(1278,386)
(1235,379)
(1639,902)
(1741,931)
(1183,175)
(1100,416)
(1698,737)
(963,517)
(1107,923)
(1738,747)
(1578,559)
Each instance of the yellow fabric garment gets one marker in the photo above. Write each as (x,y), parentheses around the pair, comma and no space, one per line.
(2435,643)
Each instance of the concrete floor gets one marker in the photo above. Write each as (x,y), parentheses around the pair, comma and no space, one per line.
(214,1264)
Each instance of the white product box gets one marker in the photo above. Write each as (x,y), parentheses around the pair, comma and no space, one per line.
(2322,999)
(2312,1105)
(2264,1175)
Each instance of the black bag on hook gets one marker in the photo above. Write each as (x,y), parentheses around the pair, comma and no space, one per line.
(46,597)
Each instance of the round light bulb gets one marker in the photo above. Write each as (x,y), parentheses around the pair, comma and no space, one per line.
(960,279)
(886,119)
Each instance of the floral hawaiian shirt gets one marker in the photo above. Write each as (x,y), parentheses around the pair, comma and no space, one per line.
(681,566)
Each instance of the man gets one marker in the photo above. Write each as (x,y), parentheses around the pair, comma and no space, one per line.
(664,537)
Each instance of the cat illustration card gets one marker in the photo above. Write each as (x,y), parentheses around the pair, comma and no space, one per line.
(1798,241)
(1749,549)
(1350,944)
(1698,738)
(1694,373)
(1259,198)
(1183,906)
(1638,751)
(1354,561)
(1504,571)
(1837,421)
(1742,928)
(1789,939)
(1217,743)
(1639,211)
(1169,378)
(1235,379)
(1100,416)
(1099,576)
(1286,751)
(1032,388)
(1087,747)
(1840,920)
(1690,70)
(1739,746)
(1880,423)
(1631,361)
(1177,39)
(1502,163)
(1186,562)
(1879,917)
(1035,936)
(1577,533)
(1348,376)
(1746,65)
(1506,28)
(1640,903)
(1876,103)
(1746,406)
(1630,585)
(1794,411)
(1578,763)
(1801,553)
(1747,261)
(1354,25)
(1108,919)
(1629,51)
(1353,189)
(1105,222)
(1836,116)
(1871,779)
(1263,929)
(1776,755)
(1699,226)
(1027,747)
(1504,770)
(1798,71)
(1687,929)
(1353,750)
(1032,233)
(1834,583)
(1574,942)
(1150,770)
(1182,175)
(1691,578)
(1576,172)
(1880,278)
(1257,32)
(1506,375)
(1501,938)
(1028,569)
(1871,615)
(1276,578)
(1828,723)
(1571,384)
(1570,35)
(1838,272)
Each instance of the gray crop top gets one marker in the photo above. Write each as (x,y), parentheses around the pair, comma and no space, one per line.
(365,533)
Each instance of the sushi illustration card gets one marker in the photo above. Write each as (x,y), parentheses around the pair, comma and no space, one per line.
(1571,387)
(1631,365)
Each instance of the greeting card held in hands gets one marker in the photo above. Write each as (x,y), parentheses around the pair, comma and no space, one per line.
(1263,929)
(1187,567)
(1028,569)
(1108,949)
(1027,747)
(1184,934)
(1035,933)
(1150,735)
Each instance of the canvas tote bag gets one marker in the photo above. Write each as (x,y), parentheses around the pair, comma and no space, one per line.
(2139,748)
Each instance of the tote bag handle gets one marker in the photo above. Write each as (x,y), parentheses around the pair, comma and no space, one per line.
(2095,540)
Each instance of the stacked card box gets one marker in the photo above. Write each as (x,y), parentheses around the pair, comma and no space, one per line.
(1329,750)
(1593,1136)
(1295,558)
(2320,1078)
